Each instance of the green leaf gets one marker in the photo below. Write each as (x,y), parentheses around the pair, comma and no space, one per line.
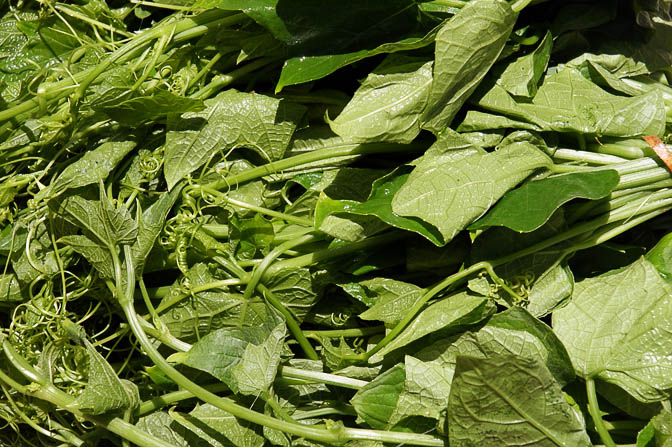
(328,27)
(238,432)
(520,77)
(447,314)
(142,108)
(10,289)
(615,329)
(568,102)
(98,255)
(550,290)
(453,195)
(297,70)
(93,167)
(530,206)
(466,47)
(258,365)
(510,400)
(163,426)
(231,119)
(236,355)
(104,392)
(207,307)
(388,105)
(661,256)
(375,403)
(392,299)
(378,204)
(295,289)
(476,120)
(150,225)
(109,225)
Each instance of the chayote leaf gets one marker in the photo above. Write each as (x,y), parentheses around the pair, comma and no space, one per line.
(451,196)
(510,400)
(466,47)
(615,329)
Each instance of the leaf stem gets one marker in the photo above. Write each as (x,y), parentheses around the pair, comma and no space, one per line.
(291,323)
(334,435)
(321,377)
(594,410)
(347,149)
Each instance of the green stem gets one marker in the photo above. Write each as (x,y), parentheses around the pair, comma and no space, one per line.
(184,29)
(321,377)
(337,252)
(231,282)
(519,5)
(48,392)
(417,307)
(286,217)
(218,82)
(273,167)
(156,403)
(291,323)
(594,410)
(352,332)
(334,435)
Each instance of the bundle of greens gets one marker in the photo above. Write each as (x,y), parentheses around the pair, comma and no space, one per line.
(284,222)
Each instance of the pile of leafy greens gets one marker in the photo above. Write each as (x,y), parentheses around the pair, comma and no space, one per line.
(294,223)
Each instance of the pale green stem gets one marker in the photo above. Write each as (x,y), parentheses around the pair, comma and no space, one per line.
(594,410)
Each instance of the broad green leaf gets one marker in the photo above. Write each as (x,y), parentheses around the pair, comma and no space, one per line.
(31,257)
(550,290)
(662,428)
(510,400)
(295,289)
(426,390)
(256,370)
(150,225)
(568,102)
(453,195)
(615,329)
(231,119)
(520,77)
(245,359)
(392,299)
(661,256)
(530,206)
(93,167)
(328,27)
(388,105)
(98,255)
(378,204)
(163,426)
(375,403)
(10,289)
(104,391)
(476,120)
(238,432)
(208,306)
(447,314)
(583,16)
(297,70)
(159,104)
(466,47)
(107,224)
